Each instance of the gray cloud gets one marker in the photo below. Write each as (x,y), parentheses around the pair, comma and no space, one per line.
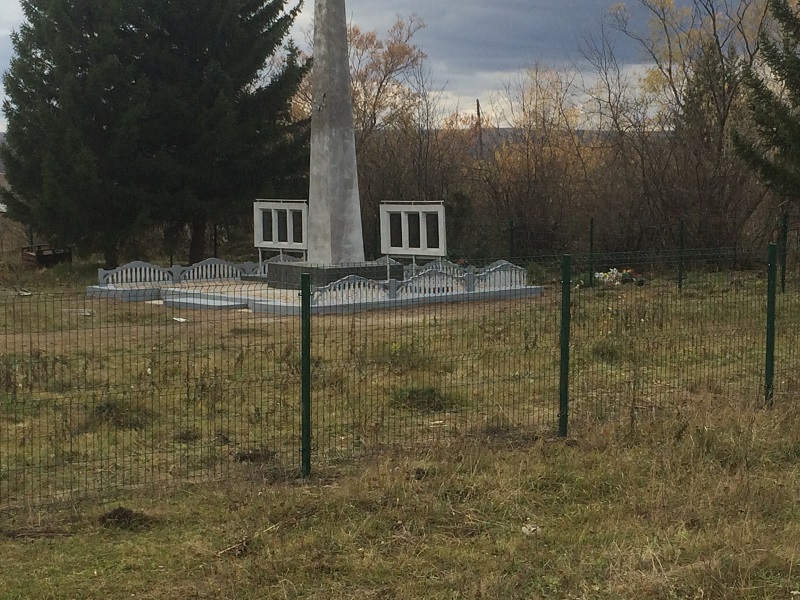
(504,34)
(10,19)
(471,44)
(5,50)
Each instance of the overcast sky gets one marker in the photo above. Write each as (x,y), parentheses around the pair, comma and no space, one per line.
(473,46)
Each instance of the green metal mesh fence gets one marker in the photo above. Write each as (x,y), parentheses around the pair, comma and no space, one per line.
(99,395)
(650,336)
(417,374)
(787,331)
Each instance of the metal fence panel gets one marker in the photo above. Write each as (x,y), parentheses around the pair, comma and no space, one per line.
(410,375)
(101,394)
(643,344)
(107,390)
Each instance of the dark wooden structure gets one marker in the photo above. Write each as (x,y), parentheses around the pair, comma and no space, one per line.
(45,255)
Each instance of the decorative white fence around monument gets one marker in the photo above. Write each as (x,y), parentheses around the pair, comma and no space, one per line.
(500,275)
(352,289)
(214,269)
(431,282)
(135,272)
(438,281)
(442,265)
(440,278)
(211,269)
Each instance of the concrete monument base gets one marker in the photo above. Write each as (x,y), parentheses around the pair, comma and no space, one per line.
(286,275)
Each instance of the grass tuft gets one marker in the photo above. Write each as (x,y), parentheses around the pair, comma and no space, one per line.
(119,415)
(497,427)
(188,436)
(125,518)
(424,399)
(610,351)
(404,357)
(255,456)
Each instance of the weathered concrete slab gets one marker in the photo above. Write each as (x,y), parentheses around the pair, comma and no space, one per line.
(287,275)
(198,299)
(126,294)
(283,308)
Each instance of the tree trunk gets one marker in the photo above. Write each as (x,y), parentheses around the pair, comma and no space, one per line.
(111,255)
(197,242)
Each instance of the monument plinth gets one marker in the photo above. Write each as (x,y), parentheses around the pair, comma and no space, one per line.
(286,275)
(334,211)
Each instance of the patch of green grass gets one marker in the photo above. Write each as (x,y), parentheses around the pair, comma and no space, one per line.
(75,275)
(188,436)
(610,350)
(426,399)
(118,414)
(406,356)
(36,370)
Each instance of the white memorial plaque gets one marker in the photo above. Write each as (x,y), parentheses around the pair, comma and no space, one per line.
(413,229)
(280,225)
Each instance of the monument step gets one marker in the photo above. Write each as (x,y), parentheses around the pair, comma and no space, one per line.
(194,299)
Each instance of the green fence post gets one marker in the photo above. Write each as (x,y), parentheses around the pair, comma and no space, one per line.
(566,281)
(305,373)
(681,248)
(784,242)
(769,364)
(591,252)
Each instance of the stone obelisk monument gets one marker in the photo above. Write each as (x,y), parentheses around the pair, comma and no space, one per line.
(334,212)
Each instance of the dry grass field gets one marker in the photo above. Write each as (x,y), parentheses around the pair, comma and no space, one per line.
(701,505)
(150,452)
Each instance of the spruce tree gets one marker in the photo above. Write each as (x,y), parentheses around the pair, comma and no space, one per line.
(73,103)
(126,114)
(772,148)
(219,131)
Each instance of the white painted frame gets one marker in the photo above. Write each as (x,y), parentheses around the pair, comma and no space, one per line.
(262,206)
(422,209)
